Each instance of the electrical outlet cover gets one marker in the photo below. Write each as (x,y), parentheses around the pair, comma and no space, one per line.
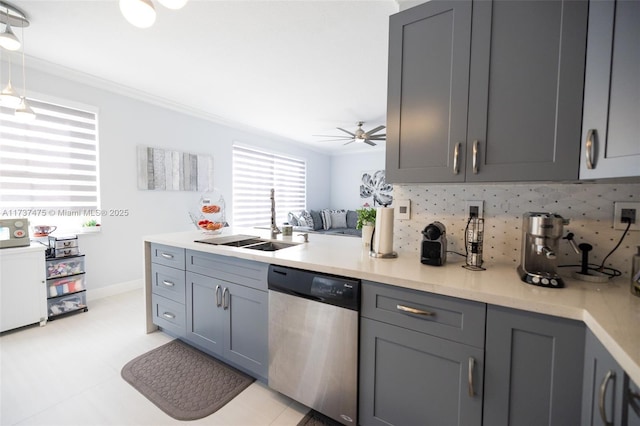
(403,209)
(479,204)
(617,215)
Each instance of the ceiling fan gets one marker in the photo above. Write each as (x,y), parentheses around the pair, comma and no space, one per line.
(360,135)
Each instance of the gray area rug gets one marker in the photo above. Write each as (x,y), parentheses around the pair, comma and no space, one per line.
(313,418)
(183,382)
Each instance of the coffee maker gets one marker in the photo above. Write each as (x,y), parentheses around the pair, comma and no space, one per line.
(541,233)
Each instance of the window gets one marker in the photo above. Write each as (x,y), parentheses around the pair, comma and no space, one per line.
(254,174)
(49,166)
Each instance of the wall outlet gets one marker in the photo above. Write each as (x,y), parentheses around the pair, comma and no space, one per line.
(474,208)
(626,210)
(403,209)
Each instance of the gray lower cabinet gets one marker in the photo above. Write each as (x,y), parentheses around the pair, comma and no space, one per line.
(611,124)
(228,317)
(409,375)
(609,397)
(168,289)
(486,91)
(533,369)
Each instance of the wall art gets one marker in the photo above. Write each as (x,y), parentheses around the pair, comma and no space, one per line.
(166,170)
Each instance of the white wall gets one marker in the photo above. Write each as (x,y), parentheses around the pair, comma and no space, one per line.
(115,254)
(346,174)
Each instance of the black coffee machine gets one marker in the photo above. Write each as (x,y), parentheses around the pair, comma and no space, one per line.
(434,245)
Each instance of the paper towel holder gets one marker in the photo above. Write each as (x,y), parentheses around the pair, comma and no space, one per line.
(374,253)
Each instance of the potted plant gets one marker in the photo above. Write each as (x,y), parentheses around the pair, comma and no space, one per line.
(366,222)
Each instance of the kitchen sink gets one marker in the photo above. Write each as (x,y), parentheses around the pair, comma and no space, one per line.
(271,245)
(248,241)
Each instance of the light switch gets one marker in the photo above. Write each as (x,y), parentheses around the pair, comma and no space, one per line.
(403,209)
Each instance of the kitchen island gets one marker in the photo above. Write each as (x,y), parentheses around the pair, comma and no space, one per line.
(608,310)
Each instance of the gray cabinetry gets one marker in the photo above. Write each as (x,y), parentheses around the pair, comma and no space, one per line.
(168,289)
(611,123)
(227,311)
(607,393)
(411,370)
(533,369)
(501,102)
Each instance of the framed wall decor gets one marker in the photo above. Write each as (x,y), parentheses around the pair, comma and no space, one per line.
(167,170)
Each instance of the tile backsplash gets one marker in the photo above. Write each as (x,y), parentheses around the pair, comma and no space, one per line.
(589,207)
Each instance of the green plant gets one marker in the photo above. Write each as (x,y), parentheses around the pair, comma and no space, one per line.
(91,222)
(366,216)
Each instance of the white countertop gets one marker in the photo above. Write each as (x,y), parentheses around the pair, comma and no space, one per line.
(608,309)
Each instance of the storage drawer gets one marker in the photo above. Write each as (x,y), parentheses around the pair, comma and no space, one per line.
(66,252)
(447,317)
(240,271)
(65,285)
(63,244)
(167,255)
(62,305)
(168,282)
(169,315)
(65,266)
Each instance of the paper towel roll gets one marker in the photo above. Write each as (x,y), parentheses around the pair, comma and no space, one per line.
(383,233)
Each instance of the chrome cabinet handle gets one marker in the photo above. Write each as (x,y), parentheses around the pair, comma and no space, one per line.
(168,315)
(603,390)
(456,157)
(218,301)
(475,157)
(472,364)
(414,311)
(589,147)
(168,283)
(166,255)
(225,299)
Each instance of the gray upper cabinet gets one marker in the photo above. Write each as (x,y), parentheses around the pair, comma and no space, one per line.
(533,369)
(611,124)
(427,92)
(501,102)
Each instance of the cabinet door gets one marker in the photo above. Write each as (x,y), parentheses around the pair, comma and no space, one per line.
(246,328)
(602,386)
(533,369)
(427,92)
(632,403)
(408,378)
(525,90)
(205,315)
(611,122)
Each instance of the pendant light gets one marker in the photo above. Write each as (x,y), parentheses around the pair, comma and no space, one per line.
(8,96)
(8,39)
(139,13)
(23,111)
(173,4)
(11,16)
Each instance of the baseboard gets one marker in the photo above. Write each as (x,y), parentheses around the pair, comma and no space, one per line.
(111,290)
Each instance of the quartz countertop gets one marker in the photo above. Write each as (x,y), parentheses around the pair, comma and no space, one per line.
(608,309)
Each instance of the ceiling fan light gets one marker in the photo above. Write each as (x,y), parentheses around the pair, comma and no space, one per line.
(173,4)
(9,97)
(24,111)
(139,13)
(8,39)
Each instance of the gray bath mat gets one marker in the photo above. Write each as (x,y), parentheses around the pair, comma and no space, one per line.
(183,382)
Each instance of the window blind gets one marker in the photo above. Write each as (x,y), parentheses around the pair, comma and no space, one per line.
(51,162)
(255,172)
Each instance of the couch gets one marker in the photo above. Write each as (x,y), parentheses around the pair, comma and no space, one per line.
(326,221)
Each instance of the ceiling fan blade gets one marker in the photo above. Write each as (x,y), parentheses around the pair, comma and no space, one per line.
(346,131)
(351,141)
(377,129)
(378,137)
(334,136)
(336,140)
(367,141)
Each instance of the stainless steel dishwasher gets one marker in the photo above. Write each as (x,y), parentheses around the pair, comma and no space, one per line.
(313,340)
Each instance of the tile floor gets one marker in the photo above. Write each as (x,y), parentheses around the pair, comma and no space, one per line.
(68,373)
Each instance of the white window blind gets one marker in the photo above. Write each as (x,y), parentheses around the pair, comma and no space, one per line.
(254,174)
(51,162)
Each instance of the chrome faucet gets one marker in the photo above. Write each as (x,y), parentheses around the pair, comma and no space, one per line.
(274,229)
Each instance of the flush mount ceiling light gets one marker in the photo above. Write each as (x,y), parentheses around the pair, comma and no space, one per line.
(11,16)
(142,13)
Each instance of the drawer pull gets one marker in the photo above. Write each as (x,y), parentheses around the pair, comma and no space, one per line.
(169,315)
(603,391)
(472,364)
(168,283)
(414,311)
(166,255)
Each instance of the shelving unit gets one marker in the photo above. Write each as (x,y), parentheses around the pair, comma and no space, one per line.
(66,287)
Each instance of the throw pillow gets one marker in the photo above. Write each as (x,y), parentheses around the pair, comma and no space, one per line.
(352,219)
(338,219)
(293,220)
(326,219)
(317,220)
(308,220)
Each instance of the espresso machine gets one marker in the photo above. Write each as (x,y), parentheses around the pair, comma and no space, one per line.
(541,234)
